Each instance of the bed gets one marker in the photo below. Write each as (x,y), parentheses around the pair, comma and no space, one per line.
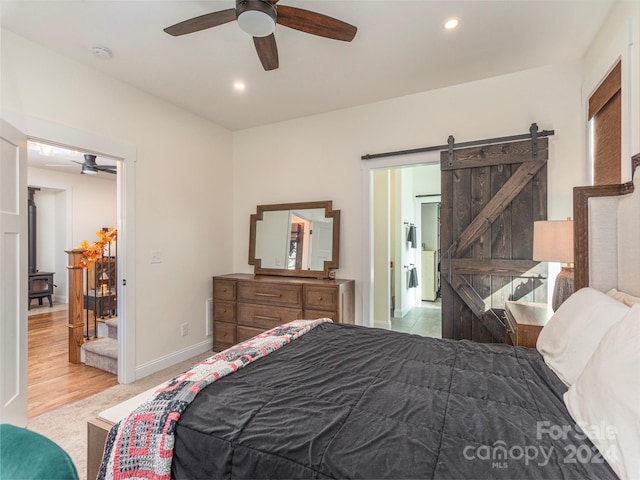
(313,399)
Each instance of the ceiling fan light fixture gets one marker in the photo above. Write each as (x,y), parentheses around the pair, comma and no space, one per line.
(257,18)
(88,170)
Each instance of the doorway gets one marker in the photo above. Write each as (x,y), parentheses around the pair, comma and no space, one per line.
(44,131)
(68,203)
(405,252)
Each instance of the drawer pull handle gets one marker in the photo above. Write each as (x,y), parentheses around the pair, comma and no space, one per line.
(258,294)
(319,299)
(261,317)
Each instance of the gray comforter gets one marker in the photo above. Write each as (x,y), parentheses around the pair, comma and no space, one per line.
(353,402)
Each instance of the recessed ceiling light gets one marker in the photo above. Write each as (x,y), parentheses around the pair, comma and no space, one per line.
(451,23)
(239,86)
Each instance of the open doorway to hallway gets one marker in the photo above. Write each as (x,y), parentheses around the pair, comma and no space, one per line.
(405,253)
(71,197)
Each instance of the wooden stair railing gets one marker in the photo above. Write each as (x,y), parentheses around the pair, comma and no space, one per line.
(76,297)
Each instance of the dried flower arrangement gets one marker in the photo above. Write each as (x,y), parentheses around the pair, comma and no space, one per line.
(92,253)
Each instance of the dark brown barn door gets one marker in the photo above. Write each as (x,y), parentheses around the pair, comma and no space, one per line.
(491,196)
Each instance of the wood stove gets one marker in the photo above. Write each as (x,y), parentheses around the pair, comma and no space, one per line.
(40,283)
(41,286)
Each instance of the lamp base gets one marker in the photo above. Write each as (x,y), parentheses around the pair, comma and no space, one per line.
(563,288)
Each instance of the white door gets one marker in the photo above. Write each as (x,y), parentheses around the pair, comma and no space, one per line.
(321,244)
(13,279)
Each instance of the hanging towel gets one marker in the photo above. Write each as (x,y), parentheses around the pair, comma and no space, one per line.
(411,236)
(413,278)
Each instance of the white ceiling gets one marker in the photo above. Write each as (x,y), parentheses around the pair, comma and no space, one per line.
(63,160)
(400,49)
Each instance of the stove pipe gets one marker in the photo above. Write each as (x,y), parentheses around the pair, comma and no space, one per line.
(32,230)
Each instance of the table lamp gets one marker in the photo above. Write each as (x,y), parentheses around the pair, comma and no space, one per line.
(553,242)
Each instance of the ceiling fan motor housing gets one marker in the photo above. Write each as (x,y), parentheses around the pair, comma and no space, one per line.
(256,17)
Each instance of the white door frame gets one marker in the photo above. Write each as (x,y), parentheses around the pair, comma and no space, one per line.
(367,167)
(424,200)
(43,131)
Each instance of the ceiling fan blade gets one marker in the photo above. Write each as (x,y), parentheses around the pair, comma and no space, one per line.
(106,169)
(315,23)
(267,51)
(202,22)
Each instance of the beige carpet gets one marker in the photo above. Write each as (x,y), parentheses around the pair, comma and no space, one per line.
(67,426)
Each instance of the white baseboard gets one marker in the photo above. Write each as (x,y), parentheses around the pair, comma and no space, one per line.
(172,359)
(401,312)
(60,299)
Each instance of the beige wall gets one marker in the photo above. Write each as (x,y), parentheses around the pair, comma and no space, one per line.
(381,246)
(618,39)
(197,183)
(182,187)
(318,158)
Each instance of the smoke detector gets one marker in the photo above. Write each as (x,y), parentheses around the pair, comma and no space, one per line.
(101,52)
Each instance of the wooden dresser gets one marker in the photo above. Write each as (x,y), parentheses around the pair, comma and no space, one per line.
(245,305)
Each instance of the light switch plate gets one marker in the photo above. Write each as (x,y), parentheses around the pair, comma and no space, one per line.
(156,256)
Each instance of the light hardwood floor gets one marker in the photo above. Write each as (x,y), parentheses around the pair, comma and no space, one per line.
(52,380)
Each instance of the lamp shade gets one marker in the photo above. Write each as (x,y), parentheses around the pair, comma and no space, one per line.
(553,241)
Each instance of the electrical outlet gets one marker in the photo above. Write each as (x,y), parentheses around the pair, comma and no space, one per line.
(156,256)
(208,317)
(184,329)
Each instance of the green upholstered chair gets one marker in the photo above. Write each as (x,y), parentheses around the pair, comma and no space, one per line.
(27,455)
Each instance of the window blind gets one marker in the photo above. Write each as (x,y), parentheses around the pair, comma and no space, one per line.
(605,111)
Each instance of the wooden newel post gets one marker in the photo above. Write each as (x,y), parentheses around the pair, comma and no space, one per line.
(76,304)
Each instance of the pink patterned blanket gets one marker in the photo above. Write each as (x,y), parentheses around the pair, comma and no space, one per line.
(141,446)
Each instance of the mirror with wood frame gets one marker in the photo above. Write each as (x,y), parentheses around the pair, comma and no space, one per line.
(295,239)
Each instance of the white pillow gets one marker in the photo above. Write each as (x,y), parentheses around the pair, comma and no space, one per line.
(605,400)
(574,331)
(628,300)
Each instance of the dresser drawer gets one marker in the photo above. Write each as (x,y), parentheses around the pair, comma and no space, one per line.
(320,298)
(314,314)
(224,289)
(270,294)
(245,333)
(265,317)
(224,335)
(224,312)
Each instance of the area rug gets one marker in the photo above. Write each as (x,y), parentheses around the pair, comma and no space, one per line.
(67,426)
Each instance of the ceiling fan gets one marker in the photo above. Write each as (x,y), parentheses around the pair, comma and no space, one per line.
(258,18)
(90,167)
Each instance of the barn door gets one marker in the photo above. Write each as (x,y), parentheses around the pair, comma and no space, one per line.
(491,195)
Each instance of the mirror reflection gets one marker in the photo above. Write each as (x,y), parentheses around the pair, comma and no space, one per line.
(295,239)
